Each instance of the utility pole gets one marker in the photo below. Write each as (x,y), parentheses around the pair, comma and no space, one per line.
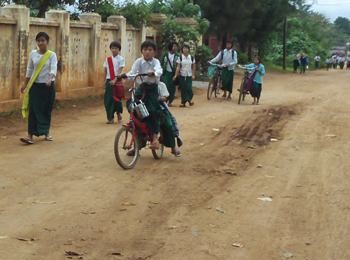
(284,43)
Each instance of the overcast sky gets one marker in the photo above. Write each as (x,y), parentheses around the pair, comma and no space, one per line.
(332,8)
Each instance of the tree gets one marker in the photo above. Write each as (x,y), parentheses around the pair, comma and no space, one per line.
(105,8)
(343,25)
(39,7)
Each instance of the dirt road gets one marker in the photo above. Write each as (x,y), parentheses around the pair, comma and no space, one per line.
(69,196)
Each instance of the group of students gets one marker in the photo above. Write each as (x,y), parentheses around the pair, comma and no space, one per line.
(175,70)
(336,61)
(301,63)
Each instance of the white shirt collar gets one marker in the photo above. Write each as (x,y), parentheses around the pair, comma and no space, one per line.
(146,61)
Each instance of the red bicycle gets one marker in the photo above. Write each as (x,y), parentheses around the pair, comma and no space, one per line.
(134,135)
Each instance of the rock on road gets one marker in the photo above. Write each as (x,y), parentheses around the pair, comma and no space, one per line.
(272,183)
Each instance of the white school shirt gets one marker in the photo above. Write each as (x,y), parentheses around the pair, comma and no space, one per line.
(141,66)
(163,90)
(50,67)
(186,65)
(171,57)
(118,62)
(227,59)
(317,58)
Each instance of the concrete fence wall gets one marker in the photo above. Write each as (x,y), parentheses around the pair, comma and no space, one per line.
(81,48)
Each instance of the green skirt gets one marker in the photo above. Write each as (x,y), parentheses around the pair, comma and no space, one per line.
(170,84)
(167,129)
(186,89)
(150,97)
(41,101)
(227,79)
(111,106)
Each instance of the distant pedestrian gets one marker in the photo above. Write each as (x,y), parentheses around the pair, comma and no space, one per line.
(317,60)
(341,62)
(296,63)
(303,64)
(329,63)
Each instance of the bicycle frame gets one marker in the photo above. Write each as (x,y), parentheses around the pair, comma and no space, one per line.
(135,124)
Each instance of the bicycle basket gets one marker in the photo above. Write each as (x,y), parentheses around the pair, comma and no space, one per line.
(211,71)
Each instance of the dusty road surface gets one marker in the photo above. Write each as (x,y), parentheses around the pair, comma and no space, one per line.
(69,199)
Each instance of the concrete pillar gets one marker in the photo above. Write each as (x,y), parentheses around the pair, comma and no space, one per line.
(143,33)
(95,20)
(63,18)
(21,14)
(120,21)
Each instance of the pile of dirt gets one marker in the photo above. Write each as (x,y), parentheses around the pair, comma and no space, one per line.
(264,125)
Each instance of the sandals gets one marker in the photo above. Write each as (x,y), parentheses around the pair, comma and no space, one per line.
(183,105)
(48,138)
(26,140)
(111,122)
(176,152)
(191,103)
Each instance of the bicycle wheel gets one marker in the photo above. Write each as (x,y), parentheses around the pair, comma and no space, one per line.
(218,87)
(158,154)
(211,88)
(126,148)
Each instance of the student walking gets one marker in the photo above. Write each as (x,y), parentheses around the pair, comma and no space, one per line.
(39,90)
(169,62)
(114,90)
(186,68)
(228,58)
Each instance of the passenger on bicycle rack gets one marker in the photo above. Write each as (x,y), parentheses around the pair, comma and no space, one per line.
(147,89)
(228,58)
(168,124)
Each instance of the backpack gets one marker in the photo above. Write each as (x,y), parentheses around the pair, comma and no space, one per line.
(192,59)
(233,54)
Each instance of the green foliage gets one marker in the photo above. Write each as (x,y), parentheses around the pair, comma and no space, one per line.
(39,7)
(243,58)
(203,54)
(343,25)
(308,32)
(173,31)
(105,8)
(136,14)
(157,6)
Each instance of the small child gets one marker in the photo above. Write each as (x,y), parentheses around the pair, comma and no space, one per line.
(258,70)
(114,90)
(148,88)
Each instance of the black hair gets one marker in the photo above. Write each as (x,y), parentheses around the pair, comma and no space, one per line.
(115,44)
(185,46)
(258,58)
(171,45)
(42,35)
(149,44)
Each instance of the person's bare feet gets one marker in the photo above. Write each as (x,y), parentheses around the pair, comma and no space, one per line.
(154,145)
(120,118)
